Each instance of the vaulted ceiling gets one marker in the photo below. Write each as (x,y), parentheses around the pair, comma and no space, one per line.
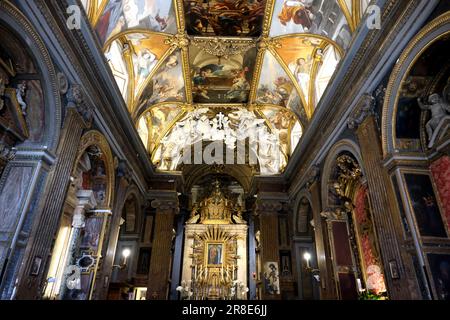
(223,70)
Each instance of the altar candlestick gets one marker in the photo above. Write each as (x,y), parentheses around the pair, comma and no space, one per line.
(360,289)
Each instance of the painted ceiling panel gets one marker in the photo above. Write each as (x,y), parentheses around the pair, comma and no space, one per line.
(320,17)
(224,17)
(221,80)
(167,84)
(275,87)
(117,16)
(228,67)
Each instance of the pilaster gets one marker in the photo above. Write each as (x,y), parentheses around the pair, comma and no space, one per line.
(166,206)
(386,215)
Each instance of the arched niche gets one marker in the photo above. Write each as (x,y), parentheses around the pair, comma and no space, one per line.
(343,146)
(422,69)
(94,146)
(416,135)
(81,233)
(303,216)
(352,235)
(132,238)
(32,64)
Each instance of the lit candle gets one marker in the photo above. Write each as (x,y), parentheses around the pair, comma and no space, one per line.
(358,281)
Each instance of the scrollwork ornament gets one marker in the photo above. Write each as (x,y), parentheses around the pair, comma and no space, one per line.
(366,107)
(224,48)
(75,99)
(179,40)
(269,43)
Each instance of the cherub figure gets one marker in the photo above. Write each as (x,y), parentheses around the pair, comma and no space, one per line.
(439,109)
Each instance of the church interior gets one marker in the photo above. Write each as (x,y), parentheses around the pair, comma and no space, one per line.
(224,150)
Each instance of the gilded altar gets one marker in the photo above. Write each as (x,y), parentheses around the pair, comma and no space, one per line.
(215,250)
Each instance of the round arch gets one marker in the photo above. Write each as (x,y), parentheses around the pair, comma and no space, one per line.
(95,138)
(297,215)
(345,145)
(241,173)
(14,20)
(431,33)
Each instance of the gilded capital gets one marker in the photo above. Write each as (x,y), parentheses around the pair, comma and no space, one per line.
(179,40)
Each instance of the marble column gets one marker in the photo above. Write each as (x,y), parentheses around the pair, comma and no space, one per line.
(86,201)
(160,262)
(386,215)
(47,221)
(267,212)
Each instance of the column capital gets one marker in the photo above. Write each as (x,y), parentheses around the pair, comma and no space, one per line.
(166,201)
(266,206)
(364,108)
(86,199)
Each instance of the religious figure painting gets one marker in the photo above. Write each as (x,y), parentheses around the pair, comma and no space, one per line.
(224,17)
(167,84)
(310,17)
(271,278)
(308,59)
(120,15)
(275,86)
(224,80)
(215,253)
(146,51)
(425,205)
(159,118)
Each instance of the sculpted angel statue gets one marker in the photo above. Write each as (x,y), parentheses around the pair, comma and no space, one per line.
(439,110)
(195,216)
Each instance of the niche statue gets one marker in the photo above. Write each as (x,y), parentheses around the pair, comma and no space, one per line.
(439,110)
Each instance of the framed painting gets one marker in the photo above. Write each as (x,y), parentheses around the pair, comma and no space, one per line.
(214,253)
(439,265)
(424,205)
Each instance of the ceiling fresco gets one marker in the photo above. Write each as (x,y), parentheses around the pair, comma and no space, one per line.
(224,17)
(234,70)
